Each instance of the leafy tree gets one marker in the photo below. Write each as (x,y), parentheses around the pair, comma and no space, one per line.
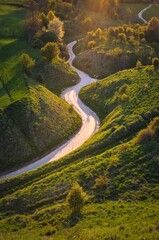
(91,44)
(33,24)
(44,20)
(48,37)
(56,26)
(51,16)
(155,62)
(27,62)
(50,51)
(152,32)
(138,64)
(76,198)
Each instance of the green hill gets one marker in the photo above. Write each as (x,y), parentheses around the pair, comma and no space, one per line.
(33,125)
(117,167)
(32,119)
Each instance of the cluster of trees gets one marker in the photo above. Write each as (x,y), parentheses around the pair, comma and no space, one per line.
(49,52)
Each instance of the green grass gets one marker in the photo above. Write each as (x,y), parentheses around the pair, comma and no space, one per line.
(27,129)
(126,207)
(12,21)
(11,69)
(34,125)
(112,220)
(152,12)
(135,9)
(110,52)
(23,2)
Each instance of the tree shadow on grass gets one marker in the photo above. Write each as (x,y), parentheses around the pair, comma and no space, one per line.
(73,219)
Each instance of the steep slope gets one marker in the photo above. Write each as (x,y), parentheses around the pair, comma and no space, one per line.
(33,125)
(117,167)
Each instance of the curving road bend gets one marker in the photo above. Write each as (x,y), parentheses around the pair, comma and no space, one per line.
(90,122)
(141,13)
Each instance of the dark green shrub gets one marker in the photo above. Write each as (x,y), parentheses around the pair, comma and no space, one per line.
(76,198)
(154,125)
(144,135)
(37,43)
(50,51)
(48,37)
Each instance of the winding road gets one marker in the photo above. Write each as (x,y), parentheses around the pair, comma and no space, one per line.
(141,13)
(90,122)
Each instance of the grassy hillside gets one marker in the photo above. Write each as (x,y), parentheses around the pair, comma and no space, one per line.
(117,169)
(33,125)
(104,52)
(32,119)
(152,12)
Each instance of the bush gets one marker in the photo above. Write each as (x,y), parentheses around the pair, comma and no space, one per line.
(101,182)
(76,198)
(50,51)
(37,43)
(144,135)
(91,44)
(48,37)
(27,62)
(138,64)
(154,125)
(155,62)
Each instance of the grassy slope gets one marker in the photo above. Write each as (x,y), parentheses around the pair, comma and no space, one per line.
(131,170)
(153,11)
(22,105)
(33,125)
(110,54)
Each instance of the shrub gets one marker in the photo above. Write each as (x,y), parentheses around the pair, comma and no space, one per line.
(50,51)
(122,36)
(155,62)
(57,27)
(27,62)
(48,37)
(152,32)
(44,20)
(37,43)
(138,64)
(144,135)
(76,198)
(154,125)
(91,44)
(87,23)
(51,16)
(117,51)
(101,182)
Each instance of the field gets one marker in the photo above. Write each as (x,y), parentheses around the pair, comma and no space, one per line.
(126,103)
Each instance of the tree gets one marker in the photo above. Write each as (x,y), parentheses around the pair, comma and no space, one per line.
(56,26)
(155,62)
(152,32)
(27,62)
(50,51)
(138,64)
(51,16)
(76,198)
(44,20)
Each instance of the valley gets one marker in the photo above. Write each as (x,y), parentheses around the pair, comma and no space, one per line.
(114,174)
